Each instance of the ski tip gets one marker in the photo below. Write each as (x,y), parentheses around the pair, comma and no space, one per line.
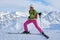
(47,37)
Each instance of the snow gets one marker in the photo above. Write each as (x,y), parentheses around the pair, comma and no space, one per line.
(53,34)
(49,22)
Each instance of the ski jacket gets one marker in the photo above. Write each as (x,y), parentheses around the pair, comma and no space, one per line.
(33,14)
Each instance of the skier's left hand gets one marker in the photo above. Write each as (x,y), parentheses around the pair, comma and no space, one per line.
(40,14)
(28,17)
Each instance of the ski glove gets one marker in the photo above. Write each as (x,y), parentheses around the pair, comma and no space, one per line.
(28,17)
(40,14)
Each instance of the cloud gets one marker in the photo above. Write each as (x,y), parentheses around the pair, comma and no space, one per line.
(41,7)
(14,4)
(42,1)
(19,3)
(23,5)
(54,3)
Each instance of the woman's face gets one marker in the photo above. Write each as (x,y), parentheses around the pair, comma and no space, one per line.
(31,8)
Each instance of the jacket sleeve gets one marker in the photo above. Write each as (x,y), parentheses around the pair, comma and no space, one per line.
(39,13)
(36,12)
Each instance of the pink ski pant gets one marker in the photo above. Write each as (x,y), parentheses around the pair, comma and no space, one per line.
(34,22)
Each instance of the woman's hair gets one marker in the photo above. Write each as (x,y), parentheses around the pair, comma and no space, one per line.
(31,6)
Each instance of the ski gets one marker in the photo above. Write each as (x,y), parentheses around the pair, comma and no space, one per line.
(25,33)
(46,36)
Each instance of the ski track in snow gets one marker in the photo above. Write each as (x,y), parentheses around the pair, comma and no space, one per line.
(53,34)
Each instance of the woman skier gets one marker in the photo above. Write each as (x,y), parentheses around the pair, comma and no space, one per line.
(33,19)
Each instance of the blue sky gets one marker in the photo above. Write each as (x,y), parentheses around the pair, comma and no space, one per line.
(23,5)
(42,1)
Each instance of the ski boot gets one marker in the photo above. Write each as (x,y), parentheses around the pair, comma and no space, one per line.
(26,32)
(45,35)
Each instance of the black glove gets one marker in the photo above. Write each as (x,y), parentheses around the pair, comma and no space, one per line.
(29,17)
(40,14)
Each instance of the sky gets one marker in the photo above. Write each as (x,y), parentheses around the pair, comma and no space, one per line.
(23,5)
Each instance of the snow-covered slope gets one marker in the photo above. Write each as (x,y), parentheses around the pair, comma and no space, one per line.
(14,23)
(53,34)
(54,19)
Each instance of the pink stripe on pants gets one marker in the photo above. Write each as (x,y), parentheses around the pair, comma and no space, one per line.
(34,22)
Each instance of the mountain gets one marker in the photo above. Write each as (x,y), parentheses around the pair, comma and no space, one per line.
(15,20)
